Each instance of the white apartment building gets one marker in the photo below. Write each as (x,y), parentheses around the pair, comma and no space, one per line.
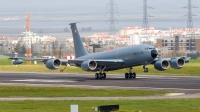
(24,37)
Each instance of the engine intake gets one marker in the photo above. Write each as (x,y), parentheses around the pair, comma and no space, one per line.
(162,65)
(177,63)
(89,65)
(53,64)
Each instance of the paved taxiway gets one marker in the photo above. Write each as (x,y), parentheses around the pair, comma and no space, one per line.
(185,84)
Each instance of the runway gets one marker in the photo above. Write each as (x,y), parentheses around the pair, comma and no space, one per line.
(184,84)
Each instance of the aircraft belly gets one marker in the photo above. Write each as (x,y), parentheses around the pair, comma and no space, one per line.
(113,68)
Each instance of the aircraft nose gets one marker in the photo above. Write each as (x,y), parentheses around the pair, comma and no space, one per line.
(154,53)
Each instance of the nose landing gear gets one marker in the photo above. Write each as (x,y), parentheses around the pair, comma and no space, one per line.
(145,69)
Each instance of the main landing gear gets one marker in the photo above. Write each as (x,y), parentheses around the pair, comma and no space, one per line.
(101,75)
(130,75)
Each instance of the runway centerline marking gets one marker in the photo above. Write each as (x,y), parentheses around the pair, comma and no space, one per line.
(41,80)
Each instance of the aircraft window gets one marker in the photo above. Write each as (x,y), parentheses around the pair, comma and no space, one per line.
(150,48)
(134,53)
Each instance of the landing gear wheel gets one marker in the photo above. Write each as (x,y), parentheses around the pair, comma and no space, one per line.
(104,76)
(134,75)
(126,75)
(100,76)
(145,70)
(130,75)
(96,76)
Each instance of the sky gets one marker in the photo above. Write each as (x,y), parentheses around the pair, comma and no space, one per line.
(166,13)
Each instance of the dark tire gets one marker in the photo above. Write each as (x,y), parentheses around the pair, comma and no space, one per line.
(130,75)
(126,75)
(100,76)
(134,75)
(144,70)
(96,76)
(104,76)
(147,70)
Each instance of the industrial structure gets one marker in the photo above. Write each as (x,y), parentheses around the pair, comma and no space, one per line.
(145,24)
(190,32)
(112,19)
(169,42)
(190,14)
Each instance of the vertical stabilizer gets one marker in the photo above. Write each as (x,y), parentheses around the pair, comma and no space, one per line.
(78,44)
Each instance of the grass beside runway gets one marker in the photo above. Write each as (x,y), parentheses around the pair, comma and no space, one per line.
(169,105)
(190,69)
(6,61)
(27,91)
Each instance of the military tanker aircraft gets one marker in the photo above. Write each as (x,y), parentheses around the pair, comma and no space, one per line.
(120,58)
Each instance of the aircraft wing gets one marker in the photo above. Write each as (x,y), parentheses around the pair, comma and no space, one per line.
(104,62)
(30,59)
(63,61)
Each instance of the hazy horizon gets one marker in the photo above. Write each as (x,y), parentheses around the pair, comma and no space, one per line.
(91,13)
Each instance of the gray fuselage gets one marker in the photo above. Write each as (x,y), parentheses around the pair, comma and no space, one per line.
(132,56)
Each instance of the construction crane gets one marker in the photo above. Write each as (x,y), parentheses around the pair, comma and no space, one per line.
(28,45)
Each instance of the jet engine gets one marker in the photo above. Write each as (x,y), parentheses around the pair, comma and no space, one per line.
(162,65)
(17,61)
(89,65)
(53,64)
(177,63)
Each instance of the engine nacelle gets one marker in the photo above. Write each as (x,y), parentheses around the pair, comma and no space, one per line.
(89,65)
(177,63)
(53,64)
(162,65)
(17,61)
